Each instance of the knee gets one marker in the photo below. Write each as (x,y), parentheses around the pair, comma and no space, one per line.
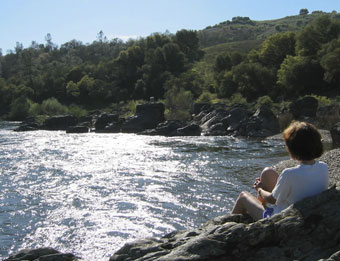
(268,173)
(243,195)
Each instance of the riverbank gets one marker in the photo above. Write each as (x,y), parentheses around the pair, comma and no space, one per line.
(308,230)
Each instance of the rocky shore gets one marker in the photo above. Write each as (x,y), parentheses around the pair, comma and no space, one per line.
(308,230)
(207,119)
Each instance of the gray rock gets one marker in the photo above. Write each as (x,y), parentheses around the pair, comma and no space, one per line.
(41,254)
(304,107)
(335,133)
(327,116)
(190,130)
(147,116)
(105,121)
(59,122)
(77,129)
(29,124)
(169,128)
(262,123)
(235,118)
(199,107)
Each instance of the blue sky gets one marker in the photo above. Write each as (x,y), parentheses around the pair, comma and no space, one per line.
(25,21)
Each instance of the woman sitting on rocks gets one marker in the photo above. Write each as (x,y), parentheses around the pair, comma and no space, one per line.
(276,192)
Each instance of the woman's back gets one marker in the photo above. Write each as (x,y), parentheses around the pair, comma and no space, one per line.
(299,182)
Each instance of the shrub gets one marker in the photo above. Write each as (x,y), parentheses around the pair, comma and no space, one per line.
(52,107)
(35,109)
(323,100)
(206,97)
(130,107)
(77,111)
(178,103)
(237,98)
(19,109)
(264,101)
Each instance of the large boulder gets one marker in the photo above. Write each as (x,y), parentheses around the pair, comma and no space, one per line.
(308,230)
(305,107)
(327,116)
(78,129)
(108,123)
(213,125)
(174,128)
(29,124)
(190,130)
(41,254)
(59,122)
(147,116)
(235,118)
(335,133)
(169,128)
(199,107)
(262,123)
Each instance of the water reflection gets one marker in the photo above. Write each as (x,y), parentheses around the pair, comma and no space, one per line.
(90,193)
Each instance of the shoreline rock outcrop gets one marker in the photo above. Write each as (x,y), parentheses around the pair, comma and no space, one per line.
(307,230)
(207,120)
(41,254)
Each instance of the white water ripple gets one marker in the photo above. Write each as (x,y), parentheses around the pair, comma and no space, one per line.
(89,194)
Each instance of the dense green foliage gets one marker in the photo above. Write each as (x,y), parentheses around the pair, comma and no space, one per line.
(275,60)
(98,74)
(286,65)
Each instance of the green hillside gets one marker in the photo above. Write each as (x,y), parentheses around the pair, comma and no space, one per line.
(243,28)
(243,34)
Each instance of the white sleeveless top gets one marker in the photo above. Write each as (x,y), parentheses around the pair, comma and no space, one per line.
(299,182)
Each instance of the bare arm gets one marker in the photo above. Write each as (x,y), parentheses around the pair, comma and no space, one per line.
(267,196)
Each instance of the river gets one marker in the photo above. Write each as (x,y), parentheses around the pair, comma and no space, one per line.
(88,194)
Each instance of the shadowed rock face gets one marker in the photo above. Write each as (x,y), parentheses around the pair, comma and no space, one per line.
(304,107)
(335,132)
(60,122)
(307,230)
(41,254)
(147,116)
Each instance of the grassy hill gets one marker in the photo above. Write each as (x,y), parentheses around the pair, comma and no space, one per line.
(243,34)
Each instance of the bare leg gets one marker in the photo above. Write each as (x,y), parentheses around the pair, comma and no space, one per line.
(248,204)
(268,179)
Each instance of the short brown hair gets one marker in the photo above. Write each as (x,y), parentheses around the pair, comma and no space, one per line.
(303,141)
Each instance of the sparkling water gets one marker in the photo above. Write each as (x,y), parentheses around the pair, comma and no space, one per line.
(89,194)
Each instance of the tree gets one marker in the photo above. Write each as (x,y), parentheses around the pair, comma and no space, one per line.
(222,63)
(330,62)
(227,87)
(276,47)
(18,47)
(313,36)
(101,37)
(189,44)
(304,11)
(72,90)
(174,58)
(178,103)
(300,75)
(253,80)
(49,44)
(85,85)
(19,109)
